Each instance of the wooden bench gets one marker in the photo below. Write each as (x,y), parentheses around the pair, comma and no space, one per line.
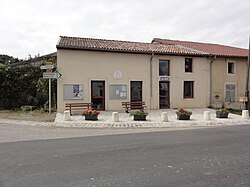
(77,106)
(140,105)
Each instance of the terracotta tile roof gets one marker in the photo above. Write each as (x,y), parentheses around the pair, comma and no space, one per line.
(213,49)
(124,46)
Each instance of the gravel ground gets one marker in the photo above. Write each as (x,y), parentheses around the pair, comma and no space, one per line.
(36,115)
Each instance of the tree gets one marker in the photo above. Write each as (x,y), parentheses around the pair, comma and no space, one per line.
(5,59)
(24,85)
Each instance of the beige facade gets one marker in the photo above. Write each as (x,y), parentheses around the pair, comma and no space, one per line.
(81,67)
(163,73)
(221,77)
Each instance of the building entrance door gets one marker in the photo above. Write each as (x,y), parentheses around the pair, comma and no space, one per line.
(164,94)
(135,91)
(98,94)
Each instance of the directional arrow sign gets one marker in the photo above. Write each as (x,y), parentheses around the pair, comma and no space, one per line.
(51,75)
(47,67)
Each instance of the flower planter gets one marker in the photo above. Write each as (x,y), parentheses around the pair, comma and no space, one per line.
(222,114)
(91,117)
(183,117)
(139,117)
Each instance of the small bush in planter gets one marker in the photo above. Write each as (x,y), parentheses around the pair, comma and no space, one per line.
(139,115)
(91,114)
(183,114)
(222,113)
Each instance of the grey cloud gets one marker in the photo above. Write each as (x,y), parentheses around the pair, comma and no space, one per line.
(32,27)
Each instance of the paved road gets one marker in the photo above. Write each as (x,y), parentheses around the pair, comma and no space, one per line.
(199,157)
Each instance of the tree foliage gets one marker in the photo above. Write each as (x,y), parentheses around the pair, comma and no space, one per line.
(5,59)
(23,86)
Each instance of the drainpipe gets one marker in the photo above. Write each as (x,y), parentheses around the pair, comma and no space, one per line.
(211,72)
(247,81)
(151,77)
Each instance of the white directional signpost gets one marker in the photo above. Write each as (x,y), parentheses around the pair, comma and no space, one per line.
(49,66)
(50,75)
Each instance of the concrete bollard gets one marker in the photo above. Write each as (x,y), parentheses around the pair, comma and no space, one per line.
(66,116)
(115,117)
(207,115)
(245,114)
(164,117)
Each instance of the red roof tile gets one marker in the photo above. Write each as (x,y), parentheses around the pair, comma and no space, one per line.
(124,46)
(213,49)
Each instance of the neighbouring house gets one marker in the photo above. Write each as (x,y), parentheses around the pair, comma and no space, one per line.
(37,61)
(163,73)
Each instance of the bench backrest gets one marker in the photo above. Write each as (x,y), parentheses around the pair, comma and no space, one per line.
(86,105)
(138,103)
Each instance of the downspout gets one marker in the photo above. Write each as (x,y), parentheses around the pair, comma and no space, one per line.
(151,78)
(247,81)
(211,73)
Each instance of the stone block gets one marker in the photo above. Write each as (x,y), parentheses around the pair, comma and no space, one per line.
(245,114)
(207,115)
(164,117)
(66,116)
(115,117)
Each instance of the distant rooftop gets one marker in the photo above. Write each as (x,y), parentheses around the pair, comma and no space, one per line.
(213,49)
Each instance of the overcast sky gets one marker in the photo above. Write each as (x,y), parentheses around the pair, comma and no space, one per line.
(34,26)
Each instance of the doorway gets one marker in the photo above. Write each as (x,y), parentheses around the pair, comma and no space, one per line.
(135,91)
(164,94)
(98,94)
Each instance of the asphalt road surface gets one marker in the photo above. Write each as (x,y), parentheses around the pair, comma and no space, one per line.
(199,157)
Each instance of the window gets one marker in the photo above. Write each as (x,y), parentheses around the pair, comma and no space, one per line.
(188,65)
(164,67)
(230,92)
(188,89)
(230,68)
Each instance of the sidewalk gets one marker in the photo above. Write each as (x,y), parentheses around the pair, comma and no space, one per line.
(126,120)
(153,120)
(17,130)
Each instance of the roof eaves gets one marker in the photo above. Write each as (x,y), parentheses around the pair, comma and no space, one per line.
(230,56)
(130,51)
(103,49)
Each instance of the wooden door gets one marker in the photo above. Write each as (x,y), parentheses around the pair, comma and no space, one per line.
(135,91)
(98,94)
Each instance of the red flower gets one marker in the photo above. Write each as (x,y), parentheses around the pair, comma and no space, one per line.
(90,111)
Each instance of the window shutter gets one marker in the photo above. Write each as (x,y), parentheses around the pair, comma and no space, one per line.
(228,86)
(232,96)
(232,87)
(230,92)
(228,96)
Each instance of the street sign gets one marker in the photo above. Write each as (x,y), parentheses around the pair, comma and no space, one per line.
(51,75)
(47,67)
(164,78)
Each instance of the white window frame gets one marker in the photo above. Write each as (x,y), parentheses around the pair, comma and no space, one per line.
(234,64)
(225,92)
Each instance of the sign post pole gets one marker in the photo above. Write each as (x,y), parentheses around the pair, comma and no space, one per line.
(49,74)
(49,96)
